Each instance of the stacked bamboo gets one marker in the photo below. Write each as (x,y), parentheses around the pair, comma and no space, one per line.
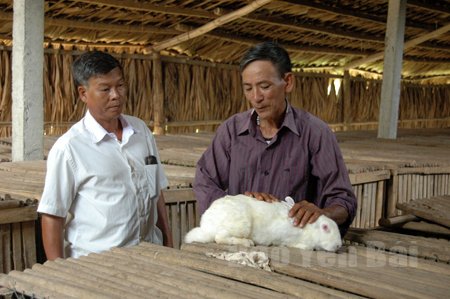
(435,209)
(360,271)
(151,271)
(17,232)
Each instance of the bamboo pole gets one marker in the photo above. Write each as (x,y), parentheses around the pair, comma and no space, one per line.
(158,95)
(208,27)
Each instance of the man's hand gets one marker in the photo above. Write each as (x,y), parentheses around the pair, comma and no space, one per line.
(262,196)
(306,212)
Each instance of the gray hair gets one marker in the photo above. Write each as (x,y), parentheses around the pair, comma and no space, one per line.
(271,52)
(93,64)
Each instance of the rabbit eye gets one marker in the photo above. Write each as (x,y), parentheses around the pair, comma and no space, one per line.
(326,228)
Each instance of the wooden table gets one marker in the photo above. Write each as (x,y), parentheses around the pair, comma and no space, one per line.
(151,271)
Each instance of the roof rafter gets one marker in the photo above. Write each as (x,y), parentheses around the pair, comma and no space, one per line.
(209,26)
(96,26)
(353,13)
(152,8)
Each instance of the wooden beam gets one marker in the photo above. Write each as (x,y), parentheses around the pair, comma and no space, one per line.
(430,5)
(358,14)
(392,71)
(346,107)
(97,26)
(406,46)
(209,26)
(158,95)
(142,6)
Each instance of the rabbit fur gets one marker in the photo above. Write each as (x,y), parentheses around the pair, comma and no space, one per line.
(243,220)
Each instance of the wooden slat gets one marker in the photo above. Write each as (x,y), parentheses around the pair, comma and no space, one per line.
(359,203)
(191,216)
(174,228)
(430,248)
(5,231)
(29,243)
(17,246)
(18,215)
(179,195)
(368,177)
(434,215)
(380,201)
(183,224)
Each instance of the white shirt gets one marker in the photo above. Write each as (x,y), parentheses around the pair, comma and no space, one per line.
(105,185)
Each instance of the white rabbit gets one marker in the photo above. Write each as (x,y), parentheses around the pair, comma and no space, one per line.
(243,220)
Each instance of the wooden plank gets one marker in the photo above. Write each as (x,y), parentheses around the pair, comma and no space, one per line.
(380,201)
(197,216)
(29,243)
(423,247)
(426,227)
(174,228)
(17,246)
(183,224)
(433,215)
(425,170)
(364,206)
(392,193)
(373,199)
(179,195)
(359,199)
(368,177)
(18,215)
(5,234)
(191,216)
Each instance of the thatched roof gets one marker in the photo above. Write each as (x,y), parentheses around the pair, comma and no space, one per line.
(319,34)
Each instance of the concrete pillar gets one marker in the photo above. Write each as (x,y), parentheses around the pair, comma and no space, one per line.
(28,80)
(158,95)
(390,90)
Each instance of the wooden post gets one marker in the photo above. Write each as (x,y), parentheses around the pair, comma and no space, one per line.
(158,95)
(390,90)
(346,109)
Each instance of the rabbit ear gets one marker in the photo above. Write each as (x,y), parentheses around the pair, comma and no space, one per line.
(289,201)
(326,228)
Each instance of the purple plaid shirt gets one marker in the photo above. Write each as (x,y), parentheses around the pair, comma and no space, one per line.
(303,160)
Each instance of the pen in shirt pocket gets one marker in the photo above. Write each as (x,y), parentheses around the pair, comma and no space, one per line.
(150,160)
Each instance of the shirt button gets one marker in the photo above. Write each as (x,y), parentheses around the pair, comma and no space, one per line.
(266,172)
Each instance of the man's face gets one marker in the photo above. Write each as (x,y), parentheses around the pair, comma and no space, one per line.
(105,96)
(265,89)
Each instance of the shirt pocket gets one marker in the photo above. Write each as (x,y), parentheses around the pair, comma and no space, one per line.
(147,180)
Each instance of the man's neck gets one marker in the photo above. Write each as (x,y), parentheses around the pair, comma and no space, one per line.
(114,126)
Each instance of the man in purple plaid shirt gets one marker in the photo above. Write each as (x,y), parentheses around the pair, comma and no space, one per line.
(275,150)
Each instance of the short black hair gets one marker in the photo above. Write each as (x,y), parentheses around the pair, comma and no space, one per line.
(271,52)
(93,64)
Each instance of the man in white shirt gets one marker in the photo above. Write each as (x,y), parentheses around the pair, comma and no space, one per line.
(104,172)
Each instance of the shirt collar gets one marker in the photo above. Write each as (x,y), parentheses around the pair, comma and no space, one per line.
(288,121)
(97,132)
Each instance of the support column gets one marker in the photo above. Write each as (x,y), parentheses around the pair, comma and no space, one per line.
(28,80)
(390,90)
(158,95)
(346,109)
